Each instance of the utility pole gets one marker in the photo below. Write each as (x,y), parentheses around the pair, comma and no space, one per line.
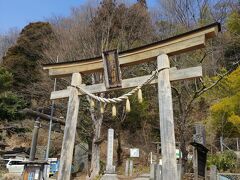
(34,140)
(221,143)
(237,145)
(49,131)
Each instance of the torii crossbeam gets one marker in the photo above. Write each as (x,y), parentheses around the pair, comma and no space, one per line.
(159,51)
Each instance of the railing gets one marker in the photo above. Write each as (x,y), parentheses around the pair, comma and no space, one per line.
(228,176)
(229,144)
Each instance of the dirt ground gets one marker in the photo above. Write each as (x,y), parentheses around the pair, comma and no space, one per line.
(9,176)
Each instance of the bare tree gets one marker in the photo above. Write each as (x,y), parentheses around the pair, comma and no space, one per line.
(7,40)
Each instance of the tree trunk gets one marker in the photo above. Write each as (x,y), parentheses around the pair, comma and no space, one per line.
(183,145)
(95,161)
(119,148)
(184,152)
(97,118)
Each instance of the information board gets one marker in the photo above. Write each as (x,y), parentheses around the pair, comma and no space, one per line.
(134,152)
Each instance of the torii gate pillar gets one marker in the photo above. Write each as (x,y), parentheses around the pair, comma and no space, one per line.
(169,163)
(70,129)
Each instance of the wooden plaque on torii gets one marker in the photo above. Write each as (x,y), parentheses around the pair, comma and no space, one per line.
(111,68)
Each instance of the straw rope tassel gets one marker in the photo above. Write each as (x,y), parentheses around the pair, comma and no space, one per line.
(128,108)
(92,103)
(101,107)
(114,110)
(140,98)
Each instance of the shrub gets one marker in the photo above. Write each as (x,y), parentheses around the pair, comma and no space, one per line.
(226,161)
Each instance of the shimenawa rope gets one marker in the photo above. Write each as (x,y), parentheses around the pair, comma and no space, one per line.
(122,97)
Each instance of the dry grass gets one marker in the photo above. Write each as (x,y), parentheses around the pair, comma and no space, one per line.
(11,176)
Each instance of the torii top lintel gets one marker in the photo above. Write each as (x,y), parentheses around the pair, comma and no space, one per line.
(188,41)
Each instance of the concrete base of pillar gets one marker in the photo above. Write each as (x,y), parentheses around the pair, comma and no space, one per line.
(109,177)
(110,170)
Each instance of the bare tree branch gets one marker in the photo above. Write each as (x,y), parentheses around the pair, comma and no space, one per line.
(204,88)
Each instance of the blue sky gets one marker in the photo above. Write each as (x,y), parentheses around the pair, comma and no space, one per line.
(18,13)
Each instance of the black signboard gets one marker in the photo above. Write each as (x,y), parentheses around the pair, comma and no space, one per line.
(201,157)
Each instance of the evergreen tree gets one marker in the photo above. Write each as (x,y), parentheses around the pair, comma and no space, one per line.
(10,104)
(23,59)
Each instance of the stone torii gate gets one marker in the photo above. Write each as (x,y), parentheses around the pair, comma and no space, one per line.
(159,51)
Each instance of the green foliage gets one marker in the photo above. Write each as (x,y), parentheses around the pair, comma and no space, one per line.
(232,52)
(102,167)
(22,59)
(10,104)
(136,116)
(226,161)
(233,22)
(225,112)
(5,80)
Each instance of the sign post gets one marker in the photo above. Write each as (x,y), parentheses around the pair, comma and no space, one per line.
(110,169)
(199,152)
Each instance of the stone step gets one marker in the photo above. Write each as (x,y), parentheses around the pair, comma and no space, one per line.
(143,177)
